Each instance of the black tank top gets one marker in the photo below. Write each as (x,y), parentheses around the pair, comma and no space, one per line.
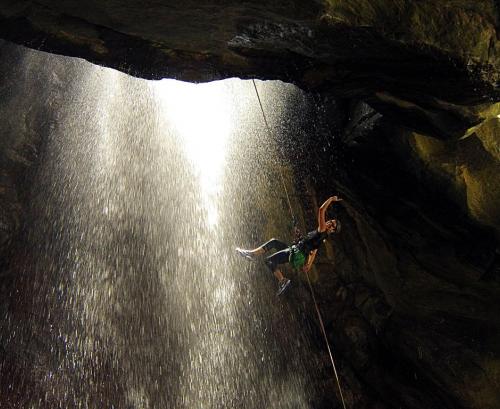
(312,241)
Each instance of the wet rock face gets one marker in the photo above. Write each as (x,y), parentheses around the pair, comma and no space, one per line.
(408,287)
(404,57)
(20,143)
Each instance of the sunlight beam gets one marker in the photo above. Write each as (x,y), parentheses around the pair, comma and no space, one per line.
(201,114)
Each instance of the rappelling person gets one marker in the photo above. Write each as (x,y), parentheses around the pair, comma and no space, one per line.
(301,254)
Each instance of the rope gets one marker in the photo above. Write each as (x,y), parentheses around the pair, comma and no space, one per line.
(270,136)
(323,331)
(307,275)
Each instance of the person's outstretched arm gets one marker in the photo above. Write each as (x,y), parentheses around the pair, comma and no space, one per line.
(322,212)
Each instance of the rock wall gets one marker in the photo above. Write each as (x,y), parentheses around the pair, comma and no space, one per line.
(406,57)
(20,142)
(409,291)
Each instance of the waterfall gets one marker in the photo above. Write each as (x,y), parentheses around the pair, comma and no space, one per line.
(128,293)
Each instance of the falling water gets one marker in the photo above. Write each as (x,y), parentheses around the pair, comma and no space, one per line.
(129,294)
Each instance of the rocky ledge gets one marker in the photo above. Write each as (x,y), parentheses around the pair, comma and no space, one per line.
(432,64)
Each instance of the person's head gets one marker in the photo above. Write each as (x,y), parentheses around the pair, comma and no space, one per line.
(333,226)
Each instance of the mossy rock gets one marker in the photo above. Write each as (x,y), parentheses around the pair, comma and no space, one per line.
(465,28)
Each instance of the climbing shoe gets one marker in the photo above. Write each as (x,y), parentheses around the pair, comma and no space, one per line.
(283,285)
(244,253)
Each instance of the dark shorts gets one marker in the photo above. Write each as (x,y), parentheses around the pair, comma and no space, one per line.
(281,256)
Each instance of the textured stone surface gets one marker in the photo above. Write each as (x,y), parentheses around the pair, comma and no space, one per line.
(19,145)
(406,57)
(408,287)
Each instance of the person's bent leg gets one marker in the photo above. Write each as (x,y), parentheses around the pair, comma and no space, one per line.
(273,262)
(268,245)
(275,259)
(274,244)
(279,275)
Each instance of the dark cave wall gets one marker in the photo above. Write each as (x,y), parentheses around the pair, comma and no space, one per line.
(405,56)
(408,289)
(20,139)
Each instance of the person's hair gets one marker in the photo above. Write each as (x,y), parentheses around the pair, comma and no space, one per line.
(338,226)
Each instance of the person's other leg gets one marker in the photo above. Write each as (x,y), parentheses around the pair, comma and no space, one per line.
(275,259)
(273,262)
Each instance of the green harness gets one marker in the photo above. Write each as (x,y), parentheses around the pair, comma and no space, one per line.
(297,258)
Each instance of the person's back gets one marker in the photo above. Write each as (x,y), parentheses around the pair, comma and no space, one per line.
(312,240)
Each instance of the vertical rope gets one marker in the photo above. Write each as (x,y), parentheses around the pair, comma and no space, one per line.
(270,136)
(323,331)
(322,326)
